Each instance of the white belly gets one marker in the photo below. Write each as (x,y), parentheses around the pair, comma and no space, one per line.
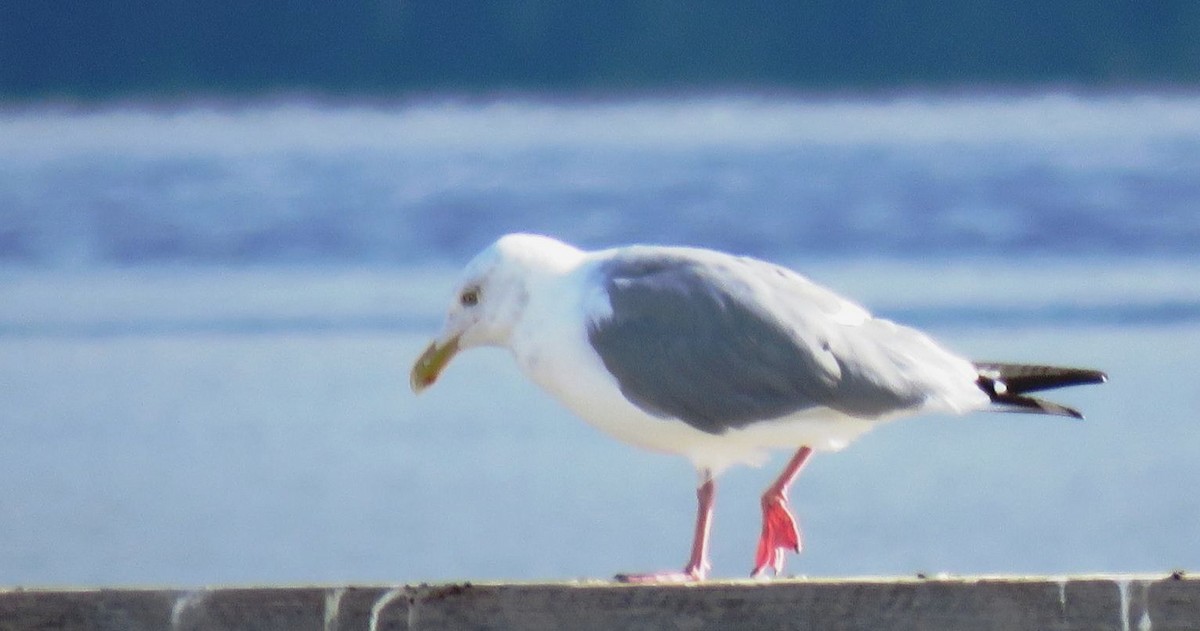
(574,375)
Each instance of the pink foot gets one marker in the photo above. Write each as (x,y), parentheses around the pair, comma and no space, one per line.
(779,535)
(779,531)
(685,576)
(697,566)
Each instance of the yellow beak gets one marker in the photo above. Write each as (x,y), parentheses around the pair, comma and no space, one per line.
(430,364)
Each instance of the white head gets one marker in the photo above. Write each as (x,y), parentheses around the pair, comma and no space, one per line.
(491,297)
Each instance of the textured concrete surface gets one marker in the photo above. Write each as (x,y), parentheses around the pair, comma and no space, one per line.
(1123,603)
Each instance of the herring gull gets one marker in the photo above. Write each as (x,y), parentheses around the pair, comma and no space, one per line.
(715,357)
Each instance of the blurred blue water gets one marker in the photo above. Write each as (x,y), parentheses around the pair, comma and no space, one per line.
(295,184)
(207,317)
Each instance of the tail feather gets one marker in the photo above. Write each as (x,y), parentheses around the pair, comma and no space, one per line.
(1006,385)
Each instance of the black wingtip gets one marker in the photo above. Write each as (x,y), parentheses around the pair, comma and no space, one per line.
(1031,405)
(1006,385)
(1022,378)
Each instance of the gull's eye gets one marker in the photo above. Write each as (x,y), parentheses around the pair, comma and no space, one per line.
(469,298)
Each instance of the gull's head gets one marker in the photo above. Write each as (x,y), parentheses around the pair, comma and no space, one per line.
(491,297)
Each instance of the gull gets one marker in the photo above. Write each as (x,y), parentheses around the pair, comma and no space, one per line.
(718,358)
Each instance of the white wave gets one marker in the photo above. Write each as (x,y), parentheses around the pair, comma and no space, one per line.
(683,122)
(160,300)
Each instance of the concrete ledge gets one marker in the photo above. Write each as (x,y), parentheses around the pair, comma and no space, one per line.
(1121,603)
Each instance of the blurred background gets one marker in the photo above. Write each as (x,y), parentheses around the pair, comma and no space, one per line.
(227,229)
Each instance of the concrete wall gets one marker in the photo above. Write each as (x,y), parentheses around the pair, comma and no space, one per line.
(1141,603)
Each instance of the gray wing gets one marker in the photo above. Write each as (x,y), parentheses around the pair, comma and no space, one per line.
(720,342)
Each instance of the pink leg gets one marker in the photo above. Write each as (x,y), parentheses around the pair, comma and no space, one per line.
(697,567)
(779,531)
